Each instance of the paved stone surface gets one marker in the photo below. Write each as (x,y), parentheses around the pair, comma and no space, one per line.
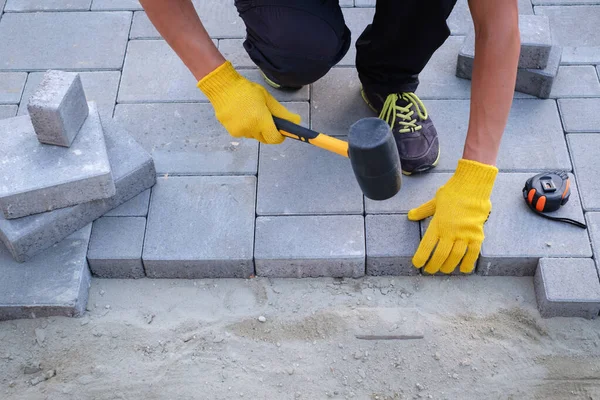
(356,20)
(584,153)
(55,283)
(567,287)
(302,94)
(392,240)
(11,87)
(115,249)
(533,139)
(364,3)
(7,111)
(574,28)
(310,246)
(99,86)
(133,172)
(37,41)
(516,238)
(576,81)
(562,2)
(592,220)
(580,115)
(110,5)
(536,41)
(58,108)
(136,207)
(47,5)
(233,50)
(39,178)
(297,178)
(142,28)
(460,20)
(200,227)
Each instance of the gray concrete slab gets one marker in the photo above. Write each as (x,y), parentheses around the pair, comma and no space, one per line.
(115,249)
(576,81)
(136,207)
(356,20)
(302,94)
(536,41)
(7,111)
(567,287)
(133,172)
(391,242)
(142,28)
(516,238)
(580,115)
(310,246)
(584,153)
(592,220)
(11,87)
(295,178)
(542,147)
(37,41)
(54,283)
(575,29)
(460,20)
(47,5)
(39,178)
(233,50)
(116,5)
(201,227)
(99,86)
(364,3)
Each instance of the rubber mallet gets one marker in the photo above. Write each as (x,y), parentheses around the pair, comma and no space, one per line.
(371,149)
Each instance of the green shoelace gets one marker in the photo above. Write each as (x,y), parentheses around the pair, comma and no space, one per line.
(391,110)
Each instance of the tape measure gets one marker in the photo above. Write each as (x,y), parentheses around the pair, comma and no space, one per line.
(547,192)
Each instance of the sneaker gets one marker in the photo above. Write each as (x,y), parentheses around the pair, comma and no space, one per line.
(415,135)
(276,85)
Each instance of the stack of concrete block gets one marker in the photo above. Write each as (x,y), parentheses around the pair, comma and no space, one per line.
(61,169)
(538,61)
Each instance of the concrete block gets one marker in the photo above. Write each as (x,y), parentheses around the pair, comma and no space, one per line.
(460,20)
(187,139)
(233,50)
(584,152)
(133,172)
(356,20)
(516,237)
(142,28)
(297,178)
(302,94)
(575,29)
(536,41)
(567,287)
(115,249)
(11,87)
(392,241)
(116,5)
(7,111)
(364,3)
(47,5)
(39,178)
(346,3)
(310,246)
(58,108)
(136,207)
(580,115)
(99,86)
(37,41)
(592,220)
(576,81)
(54,283)
(214,214)
(533,139)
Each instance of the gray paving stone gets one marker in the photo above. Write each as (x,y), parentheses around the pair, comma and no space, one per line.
(562,2)
(7,111)
(460,20)
(346,3)
(37,41)
(576,81)
(2,3)
(54,283)
(142,28)
(47,5)
(201,227)
(364,3)
(187,139)
(310,246)
(233,50)
(536,41)
(99,86)
(356,20)
(39,178)
(575,29)
(592,220)
(296,178)
(302,94)
(11,87)
(136,207)
(567,287)
(335,107)
(584,153)
(133,172)
(580,115)
(392,240)
(115,249)
(516,238)
(116,5)
(58,108)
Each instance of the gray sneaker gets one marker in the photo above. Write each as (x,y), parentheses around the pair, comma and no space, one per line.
(415,135)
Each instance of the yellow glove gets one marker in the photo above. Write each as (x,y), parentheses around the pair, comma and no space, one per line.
(459,209)
(244,108)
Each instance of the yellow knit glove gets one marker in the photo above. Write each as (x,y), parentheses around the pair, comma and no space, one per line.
(244,108)
(459,209)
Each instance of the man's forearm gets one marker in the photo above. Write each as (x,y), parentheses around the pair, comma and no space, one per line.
(178,23)
(497,47)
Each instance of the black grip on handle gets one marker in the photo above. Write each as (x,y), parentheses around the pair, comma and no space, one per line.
(300,131)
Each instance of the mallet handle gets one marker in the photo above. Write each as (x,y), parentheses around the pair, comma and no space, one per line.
(291,130)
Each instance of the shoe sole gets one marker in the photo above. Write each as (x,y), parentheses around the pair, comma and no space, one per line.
(417,170)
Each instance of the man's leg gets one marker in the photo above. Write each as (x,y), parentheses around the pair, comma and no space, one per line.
(294,42)
(391,52)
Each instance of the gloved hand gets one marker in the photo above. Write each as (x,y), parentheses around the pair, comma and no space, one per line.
(244,108)
(459,209)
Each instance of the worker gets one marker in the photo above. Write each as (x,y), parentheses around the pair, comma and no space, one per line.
(296,42)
